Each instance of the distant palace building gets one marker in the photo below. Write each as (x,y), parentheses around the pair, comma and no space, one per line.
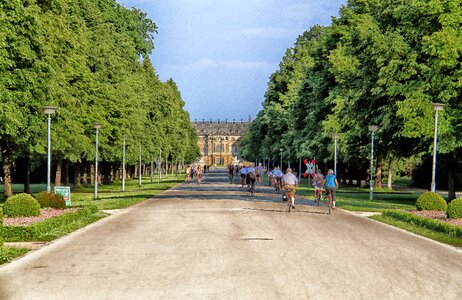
(220,141)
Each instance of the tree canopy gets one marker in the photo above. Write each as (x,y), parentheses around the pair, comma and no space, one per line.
(90,59)
(379,63)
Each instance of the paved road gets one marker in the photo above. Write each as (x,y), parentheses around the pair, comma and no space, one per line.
(212,242)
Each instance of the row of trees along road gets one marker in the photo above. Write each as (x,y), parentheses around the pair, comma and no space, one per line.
(379,63)
(90,58)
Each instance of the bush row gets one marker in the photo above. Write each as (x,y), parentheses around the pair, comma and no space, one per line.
(454,210)
(24,205)
(449,229)
(51,228)
(1,216)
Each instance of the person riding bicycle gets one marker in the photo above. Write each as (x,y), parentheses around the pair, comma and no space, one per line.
(259,171)
(330,183)
(243,175)
(231,173)
(290,183)
(277,175)
(318,180)
(199,174)
(188,174)
(251,177)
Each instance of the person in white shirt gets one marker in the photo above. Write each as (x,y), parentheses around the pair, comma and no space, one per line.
(290,183)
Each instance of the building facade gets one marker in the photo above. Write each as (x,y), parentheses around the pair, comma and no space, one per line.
(220,141)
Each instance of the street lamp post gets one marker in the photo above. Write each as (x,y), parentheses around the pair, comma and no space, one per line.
(436,107)
(49,110)
(281,156)
(335,136)
(373,129)
(139,168)
(97,126)
(123,164)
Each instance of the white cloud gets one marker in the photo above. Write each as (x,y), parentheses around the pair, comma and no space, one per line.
(207,64)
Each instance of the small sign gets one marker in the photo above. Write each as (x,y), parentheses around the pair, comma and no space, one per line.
(64,191)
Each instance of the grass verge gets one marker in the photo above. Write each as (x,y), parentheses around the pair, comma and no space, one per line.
(435,230)
(7,254)
(52,228)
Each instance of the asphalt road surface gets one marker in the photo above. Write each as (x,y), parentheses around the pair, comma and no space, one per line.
(213,242)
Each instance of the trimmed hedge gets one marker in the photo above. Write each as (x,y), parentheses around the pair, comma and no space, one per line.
(52,228)
(22,205)
(454,210)
(446,228)
(51,200)
(431,201)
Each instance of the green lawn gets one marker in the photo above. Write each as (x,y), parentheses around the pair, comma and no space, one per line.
(429,233)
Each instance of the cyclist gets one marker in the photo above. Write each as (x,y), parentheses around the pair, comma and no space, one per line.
(231,173)
(188,174)
(250,179)
(330,183)
(243,175)
(290,183)
(277,175)
(259,171)
(317,184)
(199,174)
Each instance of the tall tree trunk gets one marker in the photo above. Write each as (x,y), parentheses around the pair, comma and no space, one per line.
(92,174)
(390,174)
(27,172)
(59,166)
(66,173)
(8,188)
(77,175)
(378,177)
(85,175)
(451,181)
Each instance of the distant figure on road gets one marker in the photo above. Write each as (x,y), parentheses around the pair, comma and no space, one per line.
(199,174)
(259,170)
(231,173)
(243,175)
(188,174)
(331,184)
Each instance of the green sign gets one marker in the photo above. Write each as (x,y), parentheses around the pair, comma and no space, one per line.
(64,191)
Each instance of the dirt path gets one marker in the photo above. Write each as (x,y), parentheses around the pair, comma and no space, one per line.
(213,242)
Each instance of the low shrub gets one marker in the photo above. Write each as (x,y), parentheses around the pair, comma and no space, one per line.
(51,200)
(1,216)
(22,205)
(431,201)
(446,228)
(454,210)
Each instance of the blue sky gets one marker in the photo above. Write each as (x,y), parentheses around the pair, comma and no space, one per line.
(222,52)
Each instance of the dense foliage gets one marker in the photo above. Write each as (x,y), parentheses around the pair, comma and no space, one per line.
(430,201)
(22,205)
(379,63)
(50,200)
(454,210)
(90,59)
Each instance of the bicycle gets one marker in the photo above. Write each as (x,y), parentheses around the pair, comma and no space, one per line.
(317,196)
(290,197)
(251,189)
(277,184)
(327,199)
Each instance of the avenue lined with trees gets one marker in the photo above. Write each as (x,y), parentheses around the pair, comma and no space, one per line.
(89,59)
(379,63)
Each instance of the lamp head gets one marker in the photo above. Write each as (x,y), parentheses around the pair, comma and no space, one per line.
(97,125)
(373,128)
(438,106)
(49,110)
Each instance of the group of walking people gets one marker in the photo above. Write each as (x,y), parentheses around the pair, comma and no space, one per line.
(195,171)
